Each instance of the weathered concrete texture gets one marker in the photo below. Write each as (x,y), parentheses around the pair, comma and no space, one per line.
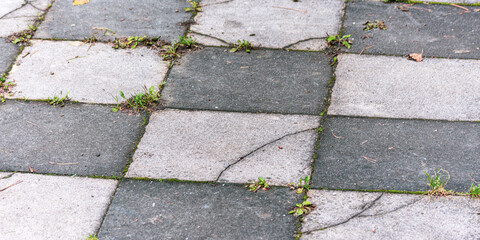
(9,51)
(200,145)
(362,153)
(52,207)
(260,81)
(107,19)
(437,30)
(390,216)
(89,73)
(76,139)
(273,24)
(17,15)
(171,210)
(394,87)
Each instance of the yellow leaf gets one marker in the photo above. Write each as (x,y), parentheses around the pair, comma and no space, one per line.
(80,2)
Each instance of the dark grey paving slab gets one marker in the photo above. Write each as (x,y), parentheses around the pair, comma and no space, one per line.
(173,210)
(152,18)
(362,153)
(438,30)
(8,52)
(76,139)
(260,81)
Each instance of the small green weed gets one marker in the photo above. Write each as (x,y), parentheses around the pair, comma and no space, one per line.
(437,183)
(186,42)
(195,6)
(130,42)
(140,101)
(241,44)
(5,87)
(91,237)
(337,40)
(474,191)
(372,25)
(260,184)
(303,208)
(302,186)
(58,101)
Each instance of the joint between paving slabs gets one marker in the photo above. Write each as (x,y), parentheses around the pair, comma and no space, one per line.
(258,148)
(365,207)
(211,4)
(303,40)
(394,210)
(16,9)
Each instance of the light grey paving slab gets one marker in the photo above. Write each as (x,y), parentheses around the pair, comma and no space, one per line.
(17,15)
(152,18)
(76,139)
(92,74)
(9,51)
(394,87)
(272,24)
(53,207)
(358,215)
(173,210)
(200,146)
(434,29)
(393,154)
(260,81)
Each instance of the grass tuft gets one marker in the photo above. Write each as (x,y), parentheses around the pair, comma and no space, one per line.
(437,183)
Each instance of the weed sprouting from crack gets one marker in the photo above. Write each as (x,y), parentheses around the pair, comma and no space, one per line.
(5,87)
(437,183)
(195,6)
(139,102)
(172,52)
(339,40)
(242,44)
(302,209)
(474,191)
(58,101)
(302,186)
(260,184)
(133,41)
(373,25)
(24,36)
(91,237)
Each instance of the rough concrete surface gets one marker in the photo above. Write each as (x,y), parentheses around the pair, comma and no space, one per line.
(363,153)
(260,81)
(88,73)
(199,145)
(437,30)
(390,216)
(17,15)
(107,19)
(272,24)
(394,87)
(52,207)
(171,210)
(9,51)
(76,139)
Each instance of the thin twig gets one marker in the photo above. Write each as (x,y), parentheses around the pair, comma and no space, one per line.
(366,49)
(53,163)
(464,8)
(17,182)
(33,124)
(293,9)
(337,136)
(369,159)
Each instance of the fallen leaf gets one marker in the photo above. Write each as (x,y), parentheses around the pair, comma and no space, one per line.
(80,2)
(415,56)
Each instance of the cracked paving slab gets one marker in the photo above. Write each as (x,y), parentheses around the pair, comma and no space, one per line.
(17,15)
(364,215)
(367,153)
(225,146)
(76,139)
(88,73)
(271,24)
(437,30)
(152,18)
(9,52)
(394,87)
(261,81)
(52,207)
(174,210)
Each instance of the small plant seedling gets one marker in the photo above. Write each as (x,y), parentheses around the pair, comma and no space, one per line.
(195,6)
(140,101)
(437,183)
(336,40)
(241,44)
(260,184)
(474,191)
(372,25)
(91,237)
(187,42)
(302,186)
(56,101)
(303,208)
(130,42)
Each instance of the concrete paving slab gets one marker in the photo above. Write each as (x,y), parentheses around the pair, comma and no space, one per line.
(201,146)
(76,139)
(270,24)
(438,30)
(152,18)
(394,87)
(9,52)
(173,210)
(260,81)
(53,207)
(360,215)
(17,15)
(395,154)
(92,74)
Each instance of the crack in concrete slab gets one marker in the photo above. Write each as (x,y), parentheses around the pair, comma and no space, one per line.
(364,208)
(8,176)
(301,41)
(394,210)
(258,148)
(206,35)
(211,4)
(25,3)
